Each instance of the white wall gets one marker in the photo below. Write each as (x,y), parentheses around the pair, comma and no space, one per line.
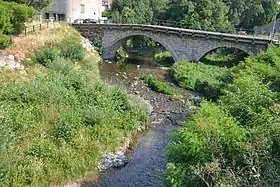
(72,9)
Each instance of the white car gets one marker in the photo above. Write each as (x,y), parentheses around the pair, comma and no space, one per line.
(78,21)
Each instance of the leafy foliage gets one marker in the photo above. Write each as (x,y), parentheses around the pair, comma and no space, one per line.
(159,86)
(251,13)
(213,15)
(131,11)
(36,4)
(200,77)
(205,145)
(15,17)
(72,50)
(46,56)
(4,41)
(200,14)
(247,99)
(164,58)
(236,141)
(12,19)
(55,127)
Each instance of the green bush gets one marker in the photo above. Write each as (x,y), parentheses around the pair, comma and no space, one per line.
(206,148)
(200,154)
(73,50)
(5,24)
(200,77)
(12,19)
(106,14)
(18,14)
(46,56)
(248,99)
(55,127)
(60,64)
(164,58)
(159,86)
(5,41)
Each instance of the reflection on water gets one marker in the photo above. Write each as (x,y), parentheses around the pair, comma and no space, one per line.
(131,68)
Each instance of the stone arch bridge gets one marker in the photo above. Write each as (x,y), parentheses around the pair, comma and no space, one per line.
(183,44)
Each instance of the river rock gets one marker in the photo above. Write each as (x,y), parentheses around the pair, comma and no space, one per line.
(11,57)
(113,161)
(2,62)
(87,44)
(11,62)
(164,68)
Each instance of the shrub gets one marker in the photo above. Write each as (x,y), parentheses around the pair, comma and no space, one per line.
(46,56)
(5,41)
(55,127)
(18,15)
(164,58)
(73,50)
(65,127)
(159,86)
(199,77)
(205,147)
(247,99)
(5,24)
(60,65)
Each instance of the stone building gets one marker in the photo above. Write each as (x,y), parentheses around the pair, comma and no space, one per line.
(70,10)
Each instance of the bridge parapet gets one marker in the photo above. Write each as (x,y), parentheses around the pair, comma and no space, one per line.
(184,44)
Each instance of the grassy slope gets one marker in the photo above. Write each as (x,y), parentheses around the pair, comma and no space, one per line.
(234,141)
(57,122)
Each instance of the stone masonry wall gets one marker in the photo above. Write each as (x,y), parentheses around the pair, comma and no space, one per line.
(182,47)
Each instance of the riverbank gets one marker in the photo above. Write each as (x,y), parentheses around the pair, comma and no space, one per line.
(233,137)
(54,124)
(147,160)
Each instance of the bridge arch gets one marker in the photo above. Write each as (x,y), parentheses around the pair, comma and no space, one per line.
(111,47)
(206,51)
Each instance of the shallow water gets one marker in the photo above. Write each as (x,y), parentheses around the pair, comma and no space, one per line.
(147,162)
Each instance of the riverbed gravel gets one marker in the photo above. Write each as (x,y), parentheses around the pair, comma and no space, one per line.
(147,162)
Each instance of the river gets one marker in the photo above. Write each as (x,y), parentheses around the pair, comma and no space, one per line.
(147,161)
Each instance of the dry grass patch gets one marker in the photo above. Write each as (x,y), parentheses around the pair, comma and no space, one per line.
(34,41)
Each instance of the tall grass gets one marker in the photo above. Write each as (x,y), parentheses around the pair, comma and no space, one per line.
(160,86)
(235,141)
(56,126)
(200,77)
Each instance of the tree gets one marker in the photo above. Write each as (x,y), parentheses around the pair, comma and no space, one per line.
(200,14)
(36,4)
(251,13)
(132,11)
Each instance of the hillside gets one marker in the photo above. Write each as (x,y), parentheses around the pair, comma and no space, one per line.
(57,116)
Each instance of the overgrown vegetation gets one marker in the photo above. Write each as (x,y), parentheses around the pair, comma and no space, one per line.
(164,58)
(57,125)
(214,15)
(224,57)
(200,77)
(160,86)
(12,19)
(235,141)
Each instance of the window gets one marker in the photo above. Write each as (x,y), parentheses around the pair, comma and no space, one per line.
(82,8)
